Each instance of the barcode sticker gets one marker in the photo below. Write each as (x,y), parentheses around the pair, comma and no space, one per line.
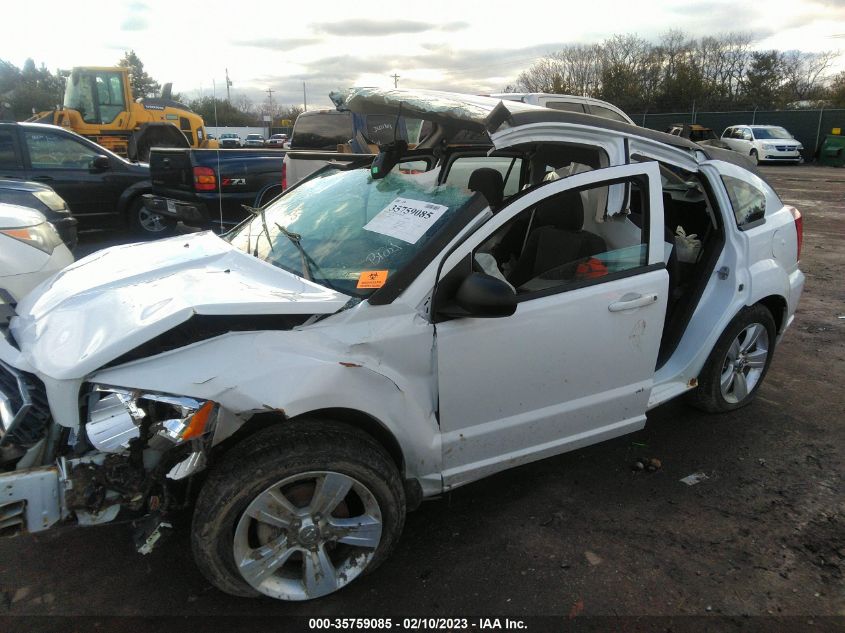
(406,219)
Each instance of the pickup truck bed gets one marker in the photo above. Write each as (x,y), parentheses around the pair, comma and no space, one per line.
(204,187)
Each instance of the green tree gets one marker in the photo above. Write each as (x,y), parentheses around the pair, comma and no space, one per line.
(761,87)
(27,91)
(226,113)
(142,84)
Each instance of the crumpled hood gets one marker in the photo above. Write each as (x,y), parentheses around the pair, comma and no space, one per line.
(114,300)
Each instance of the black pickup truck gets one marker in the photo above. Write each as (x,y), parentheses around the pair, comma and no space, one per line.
(207,187)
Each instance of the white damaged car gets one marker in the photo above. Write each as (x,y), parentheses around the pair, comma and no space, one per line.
(524,283)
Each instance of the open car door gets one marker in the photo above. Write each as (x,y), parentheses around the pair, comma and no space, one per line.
(575,363)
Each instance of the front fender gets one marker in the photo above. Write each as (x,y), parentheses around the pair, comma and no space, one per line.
(131,193)
(294,373)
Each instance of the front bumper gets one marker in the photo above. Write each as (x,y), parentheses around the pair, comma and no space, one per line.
(188,212)
(788,156)
(66,227)
(32,500)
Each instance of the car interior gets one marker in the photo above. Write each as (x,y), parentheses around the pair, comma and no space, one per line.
(577,237)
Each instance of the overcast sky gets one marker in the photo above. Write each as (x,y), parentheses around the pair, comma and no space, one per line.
(458,45)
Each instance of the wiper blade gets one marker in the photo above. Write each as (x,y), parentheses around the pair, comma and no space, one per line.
(259,213)
(296,238)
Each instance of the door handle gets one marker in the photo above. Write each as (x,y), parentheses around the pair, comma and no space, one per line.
(42,178)
(632,300)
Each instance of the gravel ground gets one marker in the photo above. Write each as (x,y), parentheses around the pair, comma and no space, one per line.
(578,534)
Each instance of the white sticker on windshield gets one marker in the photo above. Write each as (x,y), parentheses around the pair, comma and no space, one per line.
(406,219)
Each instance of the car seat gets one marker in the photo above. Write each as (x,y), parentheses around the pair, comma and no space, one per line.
(556,238)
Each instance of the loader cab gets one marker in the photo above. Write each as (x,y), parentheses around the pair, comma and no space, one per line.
(100,95)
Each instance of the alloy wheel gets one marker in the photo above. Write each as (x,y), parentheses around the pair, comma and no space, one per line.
(744,363)
(307,535)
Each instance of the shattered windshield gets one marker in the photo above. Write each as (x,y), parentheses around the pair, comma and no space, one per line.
(350,232)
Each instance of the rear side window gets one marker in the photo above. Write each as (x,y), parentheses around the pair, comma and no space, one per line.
(606,113)
(565,106)
(8,155)
(322,131)
(748,202)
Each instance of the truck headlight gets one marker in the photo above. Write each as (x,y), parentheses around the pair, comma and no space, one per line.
(116,416)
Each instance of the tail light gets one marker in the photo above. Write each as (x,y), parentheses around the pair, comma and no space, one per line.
(799,228)
(204,179)
(284,176)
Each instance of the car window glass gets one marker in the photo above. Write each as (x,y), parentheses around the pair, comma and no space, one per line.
(606,113)
(51,151)
(748,202)
(771,133)
(565,106)
(8,156)
(557,244)
(462,167)
(322,131)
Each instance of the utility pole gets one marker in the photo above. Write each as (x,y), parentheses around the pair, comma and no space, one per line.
(228,83)
(304,99)
(395,80)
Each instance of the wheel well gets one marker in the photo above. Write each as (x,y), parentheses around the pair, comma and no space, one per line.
(354,418)
(777,306)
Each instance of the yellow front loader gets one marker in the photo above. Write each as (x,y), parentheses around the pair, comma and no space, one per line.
(98,104)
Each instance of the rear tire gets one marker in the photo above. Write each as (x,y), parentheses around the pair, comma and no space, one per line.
(262,525)
(146,223)
(738,363)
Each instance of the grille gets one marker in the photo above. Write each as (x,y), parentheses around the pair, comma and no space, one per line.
(26,399)
(784,148)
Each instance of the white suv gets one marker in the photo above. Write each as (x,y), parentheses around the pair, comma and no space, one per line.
(763,143)
(568,103)
(389,330)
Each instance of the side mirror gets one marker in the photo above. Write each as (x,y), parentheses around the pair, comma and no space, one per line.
(482,296)
(100,163)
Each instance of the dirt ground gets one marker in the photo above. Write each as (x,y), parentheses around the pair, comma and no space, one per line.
(579,534)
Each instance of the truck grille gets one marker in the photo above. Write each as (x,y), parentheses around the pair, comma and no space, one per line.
(24,411)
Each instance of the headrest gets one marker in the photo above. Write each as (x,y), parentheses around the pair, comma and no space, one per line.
(565,211)
(489,183)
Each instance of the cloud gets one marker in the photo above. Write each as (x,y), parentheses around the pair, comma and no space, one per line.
(134,23)
(439,68)
(374,28)
(279,44)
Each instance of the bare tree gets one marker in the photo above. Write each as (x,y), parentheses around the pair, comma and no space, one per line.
(805,74)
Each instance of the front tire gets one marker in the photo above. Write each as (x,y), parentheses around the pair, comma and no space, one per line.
(738,363)
(755,158)
(297,511)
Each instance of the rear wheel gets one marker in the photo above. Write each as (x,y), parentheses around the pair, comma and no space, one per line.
(297,512)
(146,223)
(738,363)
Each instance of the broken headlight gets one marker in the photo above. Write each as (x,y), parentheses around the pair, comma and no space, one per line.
(116,416)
